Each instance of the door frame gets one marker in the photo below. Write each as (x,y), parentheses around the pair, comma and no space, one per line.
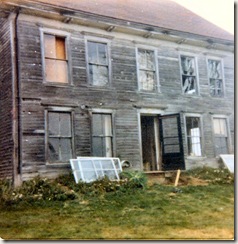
(152,113)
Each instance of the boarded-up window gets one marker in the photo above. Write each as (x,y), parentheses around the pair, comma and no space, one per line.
(221,136)
(193,129)
(59,136)
(98,63)
(215,78)
(56,63)
(102,135)
(189,78)
(147,70)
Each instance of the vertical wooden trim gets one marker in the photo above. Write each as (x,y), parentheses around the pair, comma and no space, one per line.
(16,123)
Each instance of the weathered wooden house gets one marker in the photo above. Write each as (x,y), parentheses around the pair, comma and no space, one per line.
(146,81)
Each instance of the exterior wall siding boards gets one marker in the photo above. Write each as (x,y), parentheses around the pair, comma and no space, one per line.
(6,140)
(121,98)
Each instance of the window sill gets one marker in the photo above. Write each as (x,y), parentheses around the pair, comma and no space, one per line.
(58,164)
(56,84)
(199,158)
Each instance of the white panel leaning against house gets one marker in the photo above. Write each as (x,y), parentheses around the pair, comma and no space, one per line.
(88,169)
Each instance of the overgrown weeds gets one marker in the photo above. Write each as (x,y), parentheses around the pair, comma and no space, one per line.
(212,175)
(64,187)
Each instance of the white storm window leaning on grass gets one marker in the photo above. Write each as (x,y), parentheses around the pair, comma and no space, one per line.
(215,78)
(147,70)
(59,146)
(189,77)
(55,58)
(98,65)
(193,129)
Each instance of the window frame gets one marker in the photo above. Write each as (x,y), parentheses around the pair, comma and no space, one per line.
(108,49)
(223,76)
(194,115)
(72,116)
(226,118)
(66,36)
(184,54)
(157,81)
(104,111)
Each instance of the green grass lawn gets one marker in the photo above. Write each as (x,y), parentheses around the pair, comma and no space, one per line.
(155,212)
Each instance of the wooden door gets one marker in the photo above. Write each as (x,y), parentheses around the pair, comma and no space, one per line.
(171,142)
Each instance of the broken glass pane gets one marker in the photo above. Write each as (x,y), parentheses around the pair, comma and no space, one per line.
(147,80)
(216,87)
(53,148)
(188,65)
(189,84)
(214,68)
(150,60)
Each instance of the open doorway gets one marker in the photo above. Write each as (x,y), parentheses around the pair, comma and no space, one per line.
(162,143)
(150,143)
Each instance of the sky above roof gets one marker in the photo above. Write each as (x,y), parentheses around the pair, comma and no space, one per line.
(219,12)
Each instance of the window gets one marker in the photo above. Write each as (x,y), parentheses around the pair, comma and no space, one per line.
(59,141)
(98,66)
(221,135)
(102,135)
(147,70)
(55,59)
(193,129)
(189,77)
(215,78)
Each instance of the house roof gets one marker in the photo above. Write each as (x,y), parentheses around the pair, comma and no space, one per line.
(160,13)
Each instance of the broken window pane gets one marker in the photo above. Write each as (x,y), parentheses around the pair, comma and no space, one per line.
(215,77)
(53,149)
(214,69)
(193,136)
(147,80)
(147,77)
(188,65)
(189,82)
